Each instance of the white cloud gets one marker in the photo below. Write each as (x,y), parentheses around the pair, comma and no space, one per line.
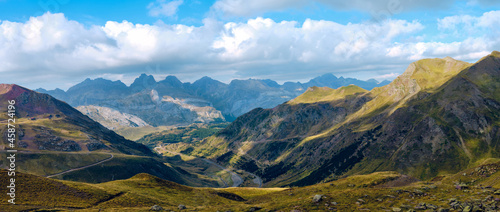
(163,8)
(326,42)
(386,76)
(489,20)
(51,48)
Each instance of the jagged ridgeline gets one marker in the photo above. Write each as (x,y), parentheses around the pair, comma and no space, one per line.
(53,137)
(438,117)
(172,102)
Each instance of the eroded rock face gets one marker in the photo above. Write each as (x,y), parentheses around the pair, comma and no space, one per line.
(55,143)
(46,140)
(93,145)
(158,110)
(111,118)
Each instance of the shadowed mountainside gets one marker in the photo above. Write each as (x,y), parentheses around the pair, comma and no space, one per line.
(53,137)
(438,117)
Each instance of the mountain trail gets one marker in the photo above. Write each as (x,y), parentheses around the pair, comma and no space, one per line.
(83,167)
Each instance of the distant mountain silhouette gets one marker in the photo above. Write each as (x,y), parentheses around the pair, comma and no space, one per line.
(185,103)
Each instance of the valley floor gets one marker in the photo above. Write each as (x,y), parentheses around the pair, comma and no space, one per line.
(238,178)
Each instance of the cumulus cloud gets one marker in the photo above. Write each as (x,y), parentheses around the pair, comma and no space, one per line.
(314,41)
(163,8)
(489,20)
(386,76)
(51,48)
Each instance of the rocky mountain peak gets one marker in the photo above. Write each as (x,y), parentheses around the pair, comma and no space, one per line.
(12,89)
(171,81)
(143,82)
(205,78)
(271,83)
(428,74)
(494,57)
(205,81)
(248,84)
(448,58)
(99,83)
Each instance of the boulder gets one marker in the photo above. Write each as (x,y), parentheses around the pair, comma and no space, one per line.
(317,198)
(156,208)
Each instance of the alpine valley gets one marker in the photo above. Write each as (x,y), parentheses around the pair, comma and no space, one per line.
(439,117)
(57,141)
(427,141)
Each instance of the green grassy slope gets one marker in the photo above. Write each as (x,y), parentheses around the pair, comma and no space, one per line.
(126,166)
(378,191)
(187,134)
(45,123)
(438,110)
(53,137)
(49,163)
(325,94)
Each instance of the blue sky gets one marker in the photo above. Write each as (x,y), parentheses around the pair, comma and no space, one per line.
(58,43)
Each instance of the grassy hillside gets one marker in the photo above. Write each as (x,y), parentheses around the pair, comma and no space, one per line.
(187,134)
(48,163)
(135,133)
(53,137)
(474,189)
(438,110)
(126,166)
(45,123)
(325,94)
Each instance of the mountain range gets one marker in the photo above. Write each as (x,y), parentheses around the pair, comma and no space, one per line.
(171,102)
(56,140)
(438,117)
(343,149)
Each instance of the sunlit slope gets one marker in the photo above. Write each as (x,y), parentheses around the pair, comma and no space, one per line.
(438,110)
(325,94)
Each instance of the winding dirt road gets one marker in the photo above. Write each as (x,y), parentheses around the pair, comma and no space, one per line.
(82,167)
